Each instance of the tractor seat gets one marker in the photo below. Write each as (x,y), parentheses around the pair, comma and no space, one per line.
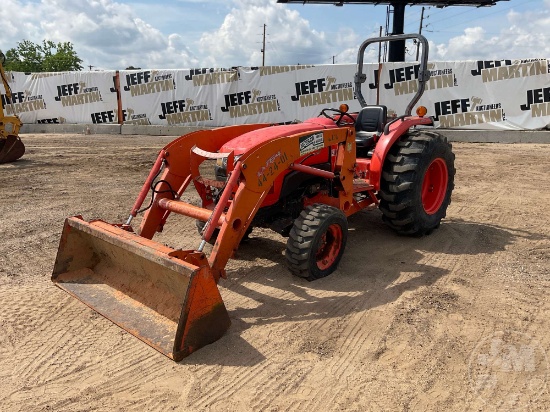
(370,122)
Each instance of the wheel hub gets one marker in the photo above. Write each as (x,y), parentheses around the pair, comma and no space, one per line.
(329,247)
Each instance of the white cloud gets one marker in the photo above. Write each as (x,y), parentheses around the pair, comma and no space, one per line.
(238,41)
(525,36)
(113,35)
(104,33)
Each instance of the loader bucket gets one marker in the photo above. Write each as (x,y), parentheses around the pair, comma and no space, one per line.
(142,286)
(11,149)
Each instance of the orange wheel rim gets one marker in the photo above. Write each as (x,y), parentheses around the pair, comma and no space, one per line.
(329,247)
(434,186)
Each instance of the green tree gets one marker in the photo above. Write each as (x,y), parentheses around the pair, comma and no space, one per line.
(45,57)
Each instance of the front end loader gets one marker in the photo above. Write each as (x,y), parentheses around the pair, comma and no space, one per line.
(11,146)
(301,180)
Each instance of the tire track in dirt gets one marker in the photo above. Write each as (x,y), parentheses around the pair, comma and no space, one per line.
(392,329)
(77,353)
(67,350)
(352,333)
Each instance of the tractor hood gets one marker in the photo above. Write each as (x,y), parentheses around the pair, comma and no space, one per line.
(246,141)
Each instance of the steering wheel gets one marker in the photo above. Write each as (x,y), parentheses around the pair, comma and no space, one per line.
(340,112)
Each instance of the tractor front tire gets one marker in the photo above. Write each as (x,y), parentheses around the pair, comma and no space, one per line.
(417,182)
(316,241)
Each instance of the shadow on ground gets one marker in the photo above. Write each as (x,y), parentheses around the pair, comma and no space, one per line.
(368,276)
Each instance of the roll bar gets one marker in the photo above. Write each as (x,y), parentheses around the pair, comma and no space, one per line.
(423,73)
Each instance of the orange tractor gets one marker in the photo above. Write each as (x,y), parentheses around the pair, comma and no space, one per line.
(302,180)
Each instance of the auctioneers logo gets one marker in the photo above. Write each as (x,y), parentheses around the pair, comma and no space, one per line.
(404,80)
(111,117)
(22,102)
(131,117)
(204,76)
(249,103)
(52,120)
(184,111)
(466,112)
(271,70)
(77,93)
(322,91)
(538,101)
(496,70)
(146,82)
(508,370)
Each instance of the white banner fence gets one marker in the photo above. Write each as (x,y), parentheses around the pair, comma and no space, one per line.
(485,95)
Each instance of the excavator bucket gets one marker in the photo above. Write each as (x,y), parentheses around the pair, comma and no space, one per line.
(11,149)
(167,298)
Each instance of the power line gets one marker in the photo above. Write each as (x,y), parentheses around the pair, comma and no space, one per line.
(274,48)
(489,14)
(479,16)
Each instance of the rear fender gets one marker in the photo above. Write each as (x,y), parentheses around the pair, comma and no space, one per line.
(386,141)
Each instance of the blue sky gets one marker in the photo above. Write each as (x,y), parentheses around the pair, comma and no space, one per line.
(109,34)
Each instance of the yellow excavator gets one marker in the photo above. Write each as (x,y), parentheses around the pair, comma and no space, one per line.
(11,146)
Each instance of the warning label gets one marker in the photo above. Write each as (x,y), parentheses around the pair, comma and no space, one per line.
(311,143)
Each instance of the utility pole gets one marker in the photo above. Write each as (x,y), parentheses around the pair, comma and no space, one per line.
(419,32)
(263,49)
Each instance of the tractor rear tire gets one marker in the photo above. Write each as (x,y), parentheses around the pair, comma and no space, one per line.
(417,183)
(316,241)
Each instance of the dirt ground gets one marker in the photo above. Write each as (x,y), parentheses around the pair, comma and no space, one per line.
(455,321)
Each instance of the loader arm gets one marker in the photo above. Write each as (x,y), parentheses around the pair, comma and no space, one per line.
(178,157)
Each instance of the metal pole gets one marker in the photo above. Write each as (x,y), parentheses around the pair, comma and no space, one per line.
(397,48)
